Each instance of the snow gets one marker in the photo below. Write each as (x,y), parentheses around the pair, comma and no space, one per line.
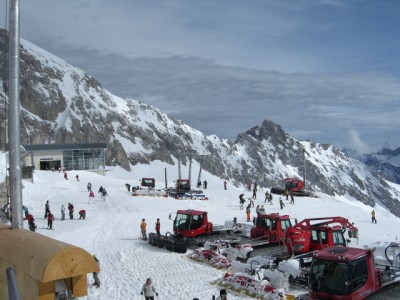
(111,228)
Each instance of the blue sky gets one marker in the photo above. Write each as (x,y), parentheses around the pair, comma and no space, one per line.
(326,70)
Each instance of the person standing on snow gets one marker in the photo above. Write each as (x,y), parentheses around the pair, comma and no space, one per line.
(222,295)
(96,274)
(225,183)
(62,212)
(270,199)
(143,227)
(291,198)
(205,184)
(266,196)
(248,208)
(158,226)
(47,209)
(373,216)
(71,210)
(241,200)
(281,203)
(149,290)
(89,187)
(50,219)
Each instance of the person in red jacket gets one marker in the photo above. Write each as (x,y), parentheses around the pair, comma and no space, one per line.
(31,221)
(50,219)
(82,214)
(158,226)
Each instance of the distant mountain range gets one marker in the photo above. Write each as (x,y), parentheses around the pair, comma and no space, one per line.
(63,104)
(385,162)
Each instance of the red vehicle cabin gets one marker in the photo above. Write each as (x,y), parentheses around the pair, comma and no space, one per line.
(271,227)
(344,273)
(293,185)
(316,234)
(192,223)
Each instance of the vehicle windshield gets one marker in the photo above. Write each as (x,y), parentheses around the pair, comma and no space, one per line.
(329,277)
(182,222)
(285,224)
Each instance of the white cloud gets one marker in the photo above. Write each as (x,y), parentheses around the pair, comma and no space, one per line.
(356,142)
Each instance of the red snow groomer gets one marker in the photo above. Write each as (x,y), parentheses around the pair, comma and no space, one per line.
(271,227)
(317,233)
(348,273)
(292,185)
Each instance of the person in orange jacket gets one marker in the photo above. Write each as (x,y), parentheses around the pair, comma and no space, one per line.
(248,212)
(143,227)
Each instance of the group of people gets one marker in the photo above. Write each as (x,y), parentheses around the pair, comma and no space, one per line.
(143,228)
(204,184)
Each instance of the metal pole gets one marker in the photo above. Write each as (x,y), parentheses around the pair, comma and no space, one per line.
(190,170)
(14,119)
(304,167)
(201,167)
(13,292)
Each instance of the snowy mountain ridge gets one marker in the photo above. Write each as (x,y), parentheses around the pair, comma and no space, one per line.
(63,104)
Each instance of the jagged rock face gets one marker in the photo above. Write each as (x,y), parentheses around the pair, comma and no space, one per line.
(62,104)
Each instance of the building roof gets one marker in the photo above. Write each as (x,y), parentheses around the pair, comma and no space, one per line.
(47,147)
(43,258)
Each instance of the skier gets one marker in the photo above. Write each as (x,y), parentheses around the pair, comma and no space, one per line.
(101,189)
(96,274)
(205,184)
(91,197)
(287,194)
(128,187)
(89,187)
(82,214)
(71,210)
(77,177)
(50,219)
(149,290)
(373,216)
(143,226)
(291,198)
(65,175)
(241,200)
(62,212)
(158,226)
(47,209)
(104,194)
(248,208)
(225,183)
(281,203)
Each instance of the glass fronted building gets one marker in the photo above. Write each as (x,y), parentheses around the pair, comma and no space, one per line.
(66,156)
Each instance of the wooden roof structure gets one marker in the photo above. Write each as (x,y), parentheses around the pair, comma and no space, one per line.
(43,260)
